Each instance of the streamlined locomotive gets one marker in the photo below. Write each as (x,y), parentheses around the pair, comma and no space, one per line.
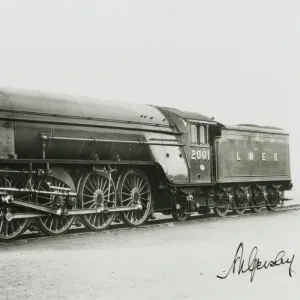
(67,159)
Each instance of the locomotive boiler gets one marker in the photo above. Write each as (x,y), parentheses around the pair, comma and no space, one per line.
(67,159)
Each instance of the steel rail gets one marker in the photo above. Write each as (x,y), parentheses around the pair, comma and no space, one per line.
(155,224)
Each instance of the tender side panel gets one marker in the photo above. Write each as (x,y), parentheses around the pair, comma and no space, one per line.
(252,156)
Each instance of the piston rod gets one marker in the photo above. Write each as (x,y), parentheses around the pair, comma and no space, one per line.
(10,216)
(54,211)
(101,210)
(33,191)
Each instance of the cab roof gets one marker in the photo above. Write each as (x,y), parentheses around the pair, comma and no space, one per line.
(188,116)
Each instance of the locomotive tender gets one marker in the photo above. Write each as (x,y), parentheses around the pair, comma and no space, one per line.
(66,158)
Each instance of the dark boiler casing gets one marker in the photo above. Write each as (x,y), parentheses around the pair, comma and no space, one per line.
(83,128)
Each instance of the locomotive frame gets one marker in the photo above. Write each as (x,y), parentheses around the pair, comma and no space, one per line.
(57,169)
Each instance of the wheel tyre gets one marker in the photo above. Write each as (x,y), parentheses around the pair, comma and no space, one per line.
(221,211)
(257,210)
(179,217)
(271,207)
(239,210)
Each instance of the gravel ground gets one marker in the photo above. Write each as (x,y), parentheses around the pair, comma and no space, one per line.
(178,261)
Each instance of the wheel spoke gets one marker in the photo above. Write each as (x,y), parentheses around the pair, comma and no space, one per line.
(98,183)
(144,204)
(90,182)
(145,199)
(104,185)
(91,201)
(137,183)
(88,196)
(89,189)
(129,198)
(143,187)
(129,184)
(124,185)
(104,192)
(144,192)
(108,195)
(92,205)
(95,182)
(100,188)
(129,194)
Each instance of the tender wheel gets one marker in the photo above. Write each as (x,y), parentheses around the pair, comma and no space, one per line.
(179,216)
(272,204)
(271,207)
(134,189)
(259,206)
(240,208)
(221,211)
(11,229)
(259,199)
(52,224)
(97,190)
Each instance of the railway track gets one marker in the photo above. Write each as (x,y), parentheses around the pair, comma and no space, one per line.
(165,222)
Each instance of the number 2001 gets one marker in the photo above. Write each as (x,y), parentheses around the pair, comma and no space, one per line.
(200,154)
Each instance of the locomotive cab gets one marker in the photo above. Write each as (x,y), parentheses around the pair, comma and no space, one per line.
(197,134)
(199,152)
(201,140)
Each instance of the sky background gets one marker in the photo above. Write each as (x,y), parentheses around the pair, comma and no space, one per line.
(236,60)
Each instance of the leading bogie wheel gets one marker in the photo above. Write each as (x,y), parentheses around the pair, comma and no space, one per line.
(97,190)
(179,216)
(54,224)
(10,229)
(134,190)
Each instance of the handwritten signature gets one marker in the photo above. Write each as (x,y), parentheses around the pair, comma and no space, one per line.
(255,263)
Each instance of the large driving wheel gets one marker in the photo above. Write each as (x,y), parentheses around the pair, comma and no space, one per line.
(13,228)
(97,190)
(54,224)
(134,190)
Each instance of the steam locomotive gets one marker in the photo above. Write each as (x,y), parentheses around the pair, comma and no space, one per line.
(67,159)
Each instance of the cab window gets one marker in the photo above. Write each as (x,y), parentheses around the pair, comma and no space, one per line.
(194,134)
(202,134)
(199,134)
